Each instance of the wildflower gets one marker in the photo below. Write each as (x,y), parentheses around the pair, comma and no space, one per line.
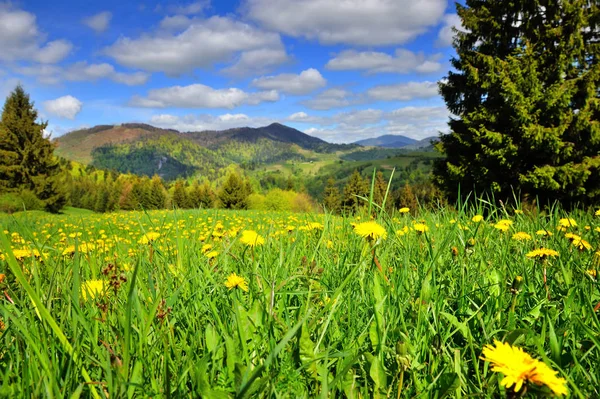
(565,223)
(251,238)
(542,253)
(21,254)
(581,244)
(236,281)
(503,225)
(402,232)
(2,277)
(477,218)
(370,230)
(597,212)
(406,210)
(91,289)
(329,244)
(520,368)
(518,212)
(206,248)
(211,254)
(544,233)
(315,226)
(521,236)
(420,228)
(592,273)
(149,237)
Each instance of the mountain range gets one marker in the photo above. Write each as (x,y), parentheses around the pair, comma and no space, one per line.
(396,141)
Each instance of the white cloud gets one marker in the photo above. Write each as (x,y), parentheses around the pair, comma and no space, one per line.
(354,22)
(195,123)
(446,34)
(22,40)
(330,98)
(306,82)
(82,71)
(403,91)
(202,44)
(175,22)
(403,61)
(201,96)
(98,22)
(63,107)
(191,8)
(256,62)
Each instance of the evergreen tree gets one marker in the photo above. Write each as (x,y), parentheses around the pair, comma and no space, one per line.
(331,197)
(356,186)
(157,196)
(27,159)
(526,101)
(234,192)
(180,196)
(379,189)
(206,196)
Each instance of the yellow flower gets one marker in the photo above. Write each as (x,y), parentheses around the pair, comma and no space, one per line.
(518,212)
(212,254)
(315,226)
(581,244)
(21,254)
(236,281)
(404,210)
(592,273)
(503,225)
(597,212)
(2,277)
(565,223)
(542,253)
(206,248)
(251,238)
(520,368)
(420,228)
(91,289)
(521,236)
(149,237)
(543,233)
(477,218)
(370,230)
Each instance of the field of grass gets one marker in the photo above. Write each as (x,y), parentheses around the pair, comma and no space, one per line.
(194,304)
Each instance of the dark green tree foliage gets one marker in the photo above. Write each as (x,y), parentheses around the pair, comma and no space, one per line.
(202,195)
(27,159)
(157,194)
(379,188)
(180,196)
(526,101)
(234,192)
(331,197)
(356,186)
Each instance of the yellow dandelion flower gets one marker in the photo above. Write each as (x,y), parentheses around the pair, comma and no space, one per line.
(404,210)
(315,226)
(518,212)
(92,288)
(542,253)
(592,273)
(211,254)
(206,248)
(503,225)
(370,230)
(597,212)
(519,368)
(544,233)
(565,223)
(2,277)
(149,237)
(581,244)
(233,281)
(251,238)
(420,228)
(521,236)
(477,218)
(21,254)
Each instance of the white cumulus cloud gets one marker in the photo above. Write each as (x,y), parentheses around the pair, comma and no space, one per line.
(200,122)
(354,22)
(202,96)
(98,22)
(202,44)
(403,61)
(64,107)
(404,91)
(305,82)
(446,33)
(330,98)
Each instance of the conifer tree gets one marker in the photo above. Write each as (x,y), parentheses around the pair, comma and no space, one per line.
(27,159)
(379,189)
(157,195)
(234,192)
(356,187)
(180,196)
(525,100)
(206,196)
(331,197)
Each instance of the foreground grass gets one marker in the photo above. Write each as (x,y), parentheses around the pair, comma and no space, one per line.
(95,305)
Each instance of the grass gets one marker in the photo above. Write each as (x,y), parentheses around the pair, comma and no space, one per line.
(327,313)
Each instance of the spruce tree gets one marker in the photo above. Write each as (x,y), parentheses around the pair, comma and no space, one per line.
(180,196)
(157,195)
(525,100)
(206,196)
(331,197)
(27,159)
(234,192)
(355,188)
(379,189)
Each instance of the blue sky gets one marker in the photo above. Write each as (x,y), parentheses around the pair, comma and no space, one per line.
(342,70)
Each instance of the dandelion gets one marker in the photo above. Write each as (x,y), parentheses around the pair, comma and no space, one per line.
(518,212)
(503,225)
(597,212)
(581,244)
(2,277)
(542,253)
(477,218)
(543,233)
(21,254)
(149,237)
(519,368)
(211,254)
(370,231)
(592,273)
(251,238)
(206,248)
(92,288)
(406,210)
(233,281)
(420,228)
(521,236)
(565,223)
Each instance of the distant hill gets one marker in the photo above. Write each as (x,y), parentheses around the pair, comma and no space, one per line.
(423,144)
(145,149)
(387,141)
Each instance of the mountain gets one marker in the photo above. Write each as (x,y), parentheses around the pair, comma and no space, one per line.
(387,141)
(144,149)
(425,143)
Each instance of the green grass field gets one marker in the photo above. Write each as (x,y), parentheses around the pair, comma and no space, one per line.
(140,304)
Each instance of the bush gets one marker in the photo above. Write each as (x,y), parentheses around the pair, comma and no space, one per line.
(30,202)
(10,203)
(256,202)
(303,203)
